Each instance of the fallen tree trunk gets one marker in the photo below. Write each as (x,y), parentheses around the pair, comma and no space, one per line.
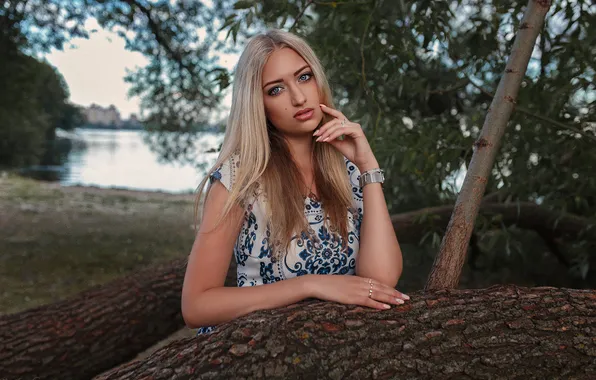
(95,331)
(501,332)
(109,325)
(525,215)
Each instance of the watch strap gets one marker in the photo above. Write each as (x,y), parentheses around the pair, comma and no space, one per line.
(372,176)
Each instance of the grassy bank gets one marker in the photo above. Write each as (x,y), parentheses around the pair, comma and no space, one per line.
(57,241)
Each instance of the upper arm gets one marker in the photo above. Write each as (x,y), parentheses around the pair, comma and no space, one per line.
(211,252)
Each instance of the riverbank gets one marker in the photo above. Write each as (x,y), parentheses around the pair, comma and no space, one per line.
(58,241)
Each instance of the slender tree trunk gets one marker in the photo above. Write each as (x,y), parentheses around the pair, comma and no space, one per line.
(503,332)
(95,331)
(448,264)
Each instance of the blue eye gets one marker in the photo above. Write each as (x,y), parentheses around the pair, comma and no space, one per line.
(307,75)
(274,91)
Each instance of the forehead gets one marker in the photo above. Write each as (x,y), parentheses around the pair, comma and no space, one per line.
(282,63)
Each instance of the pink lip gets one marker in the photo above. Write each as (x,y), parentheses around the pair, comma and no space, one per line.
(305,114)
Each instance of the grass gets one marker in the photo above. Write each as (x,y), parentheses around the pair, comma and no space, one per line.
(56,242)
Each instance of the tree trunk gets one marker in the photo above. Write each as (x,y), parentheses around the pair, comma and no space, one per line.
(448,264)
(96,330)
(115,322)
(502,332)
(525,215)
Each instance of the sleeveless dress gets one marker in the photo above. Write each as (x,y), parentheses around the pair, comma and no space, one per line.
(316,252)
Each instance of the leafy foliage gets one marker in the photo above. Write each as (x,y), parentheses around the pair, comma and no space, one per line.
(34,102)
(418,75)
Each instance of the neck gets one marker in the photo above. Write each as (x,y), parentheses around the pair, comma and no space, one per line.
(301,149)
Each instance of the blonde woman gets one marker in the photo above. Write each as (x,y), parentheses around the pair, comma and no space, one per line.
(285,197)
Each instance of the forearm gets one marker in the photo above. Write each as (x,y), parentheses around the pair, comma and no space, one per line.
(223,304)
(379,256)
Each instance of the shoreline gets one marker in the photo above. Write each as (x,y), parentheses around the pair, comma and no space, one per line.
(120,191)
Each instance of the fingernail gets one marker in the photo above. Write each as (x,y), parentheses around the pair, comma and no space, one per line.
(399,300)
(316,133)
(406,296)
(318,139)
(386,306)
(325,139)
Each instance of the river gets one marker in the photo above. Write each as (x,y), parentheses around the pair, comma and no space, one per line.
(123,159)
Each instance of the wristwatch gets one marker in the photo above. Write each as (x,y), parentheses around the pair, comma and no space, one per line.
(372,176)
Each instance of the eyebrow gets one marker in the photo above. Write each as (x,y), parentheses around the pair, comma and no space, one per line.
(279,80)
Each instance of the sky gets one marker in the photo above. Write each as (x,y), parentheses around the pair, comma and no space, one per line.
(94,70)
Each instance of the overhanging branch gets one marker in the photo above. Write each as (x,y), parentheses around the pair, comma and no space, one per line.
(525,215)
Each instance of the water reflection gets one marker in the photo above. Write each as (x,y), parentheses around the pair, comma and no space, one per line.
(123,159)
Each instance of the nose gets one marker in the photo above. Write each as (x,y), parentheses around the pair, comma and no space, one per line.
(298,97)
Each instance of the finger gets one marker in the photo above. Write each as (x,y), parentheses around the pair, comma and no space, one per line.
(325,126)
(333,132)
(370,302)
(387,298)
(332,112)
(392,292)
(380,293)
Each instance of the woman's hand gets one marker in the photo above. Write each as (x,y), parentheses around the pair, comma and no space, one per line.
(354,290)
(354,146)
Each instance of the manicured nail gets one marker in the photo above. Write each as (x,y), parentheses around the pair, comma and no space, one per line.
(318,139)
(325,139)
(386,306)
(316,133)
(399,300)
(322,105)
(406,296)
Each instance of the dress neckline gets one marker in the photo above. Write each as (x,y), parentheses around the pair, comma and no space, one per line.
(312,197)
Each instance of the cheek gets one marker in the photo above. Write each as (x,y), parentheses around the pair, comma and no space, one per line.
(274,109)
(314,95)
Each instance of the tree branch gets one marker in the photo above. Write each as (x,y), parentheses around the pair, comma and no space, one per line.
(300,14)
(524,215)
(553,247)
(367,90)
(456,86)
(527,112)
(161,40)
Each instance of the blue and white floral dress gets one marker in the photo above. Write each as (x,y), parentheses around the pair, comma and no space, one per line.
(316,252)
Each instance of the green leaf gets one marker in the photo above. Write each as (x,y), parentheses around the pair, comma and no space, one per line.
(243,4)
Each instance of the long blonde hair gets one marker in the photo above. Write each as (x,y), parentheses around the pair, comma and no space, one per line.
(263,152)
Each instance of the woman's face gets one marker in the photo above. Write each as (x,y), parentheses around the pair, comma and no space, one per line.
(290,93)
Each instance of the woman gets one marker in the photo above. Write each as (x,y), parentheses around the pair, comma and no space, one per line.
(285,198)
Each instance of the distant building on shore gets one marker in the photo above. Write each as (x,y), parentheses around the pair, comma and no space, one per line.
(96,114)
(100,117)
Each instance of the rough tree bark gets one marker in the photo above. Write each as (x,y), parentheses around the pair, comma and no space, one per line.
(503,332)
(109,325)
(96,330)
(525,215)
(448,264)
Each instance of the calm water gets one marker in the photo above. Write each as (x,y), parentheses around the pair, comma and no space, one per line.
(123,159)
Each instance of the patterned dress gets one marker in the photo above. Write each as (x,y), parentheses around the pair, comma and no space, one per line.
(315,252)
